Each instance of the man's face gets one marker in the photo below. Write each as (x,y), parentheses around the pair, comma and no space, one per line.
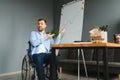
(41,25)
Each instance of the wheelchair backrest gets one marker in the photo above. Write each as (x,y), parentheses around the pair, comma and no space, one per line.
(29,47)
(29,53)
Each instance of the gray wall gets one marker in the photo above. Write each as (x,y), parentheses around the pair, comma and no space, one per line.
(102,12)
(97,13)
(17,19)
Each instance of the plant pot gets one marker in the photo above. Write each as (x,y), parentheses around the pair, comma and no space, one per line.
(104,36)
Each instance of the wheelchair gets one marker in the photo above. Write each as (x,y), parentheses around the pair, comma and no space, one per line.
(28,71)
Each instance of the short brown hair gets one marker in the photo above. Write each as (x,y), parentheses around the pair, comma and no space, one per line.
(40,19)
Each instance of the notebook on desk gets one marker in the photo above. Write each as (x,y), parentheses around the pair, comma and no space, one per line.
(82,42)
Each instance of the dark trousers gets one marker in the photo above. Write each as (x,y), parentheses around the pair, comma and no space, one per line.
(39,60)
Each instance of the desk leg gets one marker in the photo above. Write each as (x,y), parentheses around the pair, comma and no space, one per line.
(83,58)
(105,60)
(53,67)
(78,64)
(97,58)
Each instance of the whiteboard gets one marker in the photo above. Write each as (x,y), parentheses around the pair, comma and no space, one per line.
(72,15)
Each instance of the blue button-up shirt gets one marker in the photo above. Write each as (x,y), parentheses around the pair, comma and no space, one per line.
(36,39)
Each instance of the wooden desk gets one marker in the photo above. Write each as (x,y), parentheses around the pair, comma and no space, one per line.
(96,46)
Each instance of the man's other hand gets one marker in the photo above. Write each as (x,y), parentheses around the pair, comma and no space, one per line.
(62,31)
(49,36)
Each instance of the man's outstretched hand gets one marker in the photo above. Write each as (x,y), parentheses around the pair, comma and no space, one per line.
(62,31)
(49,35)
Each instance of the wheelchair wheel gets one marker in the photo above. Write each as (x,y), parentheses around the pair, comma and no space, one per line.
(25,68)
(28,72)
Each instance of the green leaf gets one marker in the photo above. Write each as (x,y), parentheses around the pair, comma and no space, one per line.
(56,32)
(104,28)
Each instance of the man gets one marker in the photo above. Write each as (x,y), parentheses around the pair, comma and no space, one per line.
(40,48)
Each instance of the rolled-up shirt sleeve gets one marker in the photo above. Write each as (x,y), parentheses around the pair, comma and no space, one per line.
(57,40)
(34,40)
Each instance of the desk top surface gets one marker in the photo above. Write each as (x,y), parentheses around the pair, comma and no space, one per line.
(80,45)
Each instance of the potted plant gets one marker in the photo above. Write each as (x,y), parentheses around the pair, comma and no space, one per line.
(104,30)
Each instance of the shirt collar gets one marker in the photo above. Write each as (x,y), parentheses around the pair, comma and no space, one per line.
(40,33)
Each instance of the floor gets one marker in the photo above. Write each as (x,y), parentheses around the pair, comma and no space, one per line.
(65,76)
